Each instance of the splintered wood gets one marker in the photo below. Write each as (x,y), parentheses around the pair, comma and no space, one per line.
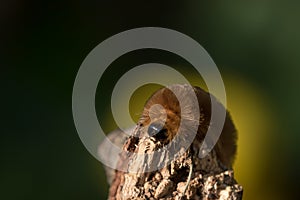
(209,178)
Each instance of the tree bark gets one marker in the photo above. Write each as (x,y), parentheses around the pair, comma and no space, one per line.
(187,177)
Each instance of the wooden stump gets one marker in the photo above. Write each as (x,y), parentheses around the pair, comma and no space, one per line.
(209,178)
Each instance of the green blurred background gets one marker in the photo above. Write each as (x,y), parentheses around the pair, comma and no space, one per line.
(255,44)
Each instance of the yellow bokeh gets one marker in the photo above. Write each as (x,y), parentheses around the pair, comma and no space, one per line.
(252,116)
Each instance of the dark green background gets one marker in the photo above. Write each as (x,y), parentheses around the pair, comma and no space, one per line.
(43,44)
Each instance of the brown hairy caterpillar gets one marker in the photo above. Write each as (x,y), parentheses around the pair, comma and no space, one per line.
(162,123)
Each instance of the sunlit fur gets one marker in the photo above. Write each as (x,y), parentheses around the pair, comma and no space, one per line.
(226,145)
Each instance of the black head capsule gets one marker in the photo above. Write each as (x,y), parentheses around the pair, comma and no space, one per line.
(154,128)
(157,130)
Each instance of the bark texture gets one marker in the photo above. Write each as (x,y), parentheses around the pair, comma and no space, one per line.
(209,178)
